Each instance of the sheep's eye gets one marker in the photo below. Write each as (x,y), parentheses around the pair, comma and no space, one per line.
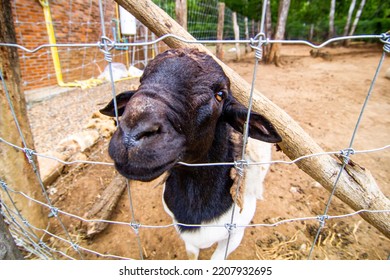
(220,95)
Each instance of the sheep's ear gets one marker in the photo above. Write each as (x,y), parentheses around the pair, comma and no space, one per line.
(260,128)
(121,101)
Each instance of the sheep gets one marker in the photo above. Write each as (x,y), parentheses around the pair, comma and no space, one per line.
(184,111)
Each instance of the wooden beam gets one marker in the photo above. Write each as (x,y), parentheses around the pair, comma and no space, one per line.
(181,13)
(8,248)
(221,20)
(236,31)
(356,186)
(15,169)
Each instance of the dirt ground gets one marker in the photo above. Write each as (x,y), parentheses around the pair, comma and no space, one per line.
(324,95)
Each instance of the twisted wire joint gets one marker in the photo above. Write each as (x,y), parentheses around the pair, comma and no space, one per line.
(261,39)
(322,219)
(3,185)
(230,227)
(53,212)
(386,41)
(75,246)
(106,45)
(135,226)
(239,166)
(29,154)
(346,153)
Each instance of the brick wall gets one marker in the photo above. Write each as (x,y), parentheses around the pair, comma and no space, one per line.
(76,21)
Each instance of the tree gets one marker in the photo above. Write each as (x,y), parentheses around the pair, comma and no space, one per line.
(357,17)
(268,27)
(311,19)
(331,18)
(268,20)
(274,54)
(181,12)
(349,17)
(221,19)
(247,8)
(355,22)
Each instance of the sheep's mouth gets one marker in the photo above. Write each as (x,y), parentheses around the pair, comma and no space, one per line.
(145,173)
(148,159)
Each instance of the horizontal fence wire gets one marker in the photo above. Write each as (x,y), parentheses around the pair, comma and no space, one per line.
(40,249)
(112,44)
(135,226)
(343,153)
(140,225)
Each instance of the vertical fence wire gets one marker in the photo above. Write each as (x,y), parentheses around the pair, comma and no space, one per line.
(26,230)
(348,152)
(108,57)
(134,224)
(29,154)
(242,164)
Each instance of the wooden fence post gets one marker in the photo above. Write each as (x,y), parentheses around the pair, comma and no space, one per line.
(247,47)
(221,20)
(236,30)
(8,249)
(15,169)
(356,186)
(181,13)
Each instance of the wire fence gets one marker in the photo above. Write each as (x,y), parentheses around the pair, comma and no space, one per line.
(74,30)
(24,233)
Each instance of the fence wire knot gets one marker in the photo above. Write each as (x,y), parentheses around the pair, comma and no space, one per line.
(260,39)
(386,41)
(346,153)
(42,244)
(37,246)
(75,246)
(25,222)
(239,165)
(3,185)
(29,154)
(322,219)
(106,45)
(53,212)
(135,226)
(13,219)
(230,227)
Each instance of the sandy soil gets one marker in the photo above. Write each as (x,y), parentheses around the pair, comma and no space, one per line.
(323,95)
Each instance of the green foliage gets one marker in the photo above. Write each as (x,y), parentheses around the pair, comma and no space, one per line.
(373,26)
(247,8)
(202,18)
(167,6)
(304,16)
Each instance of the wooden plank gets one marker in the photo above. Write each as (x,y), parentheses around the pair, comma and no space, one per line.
(221,20)
(15,169)
(181,13)
(8,249)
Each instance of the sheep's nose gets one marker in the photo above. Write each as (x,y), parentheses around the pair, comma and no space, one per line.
(142,132)
(147,131)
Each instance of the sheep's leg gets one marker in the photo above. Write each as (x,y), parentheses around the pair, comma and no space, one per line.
(192,251)
(234,242)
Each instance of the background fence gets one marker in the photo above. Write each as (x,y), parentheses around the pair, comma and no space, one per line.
(63,242)
(76,25)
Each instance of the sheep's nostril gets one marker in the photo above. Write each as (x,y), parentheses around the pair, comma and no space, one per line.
(148,132)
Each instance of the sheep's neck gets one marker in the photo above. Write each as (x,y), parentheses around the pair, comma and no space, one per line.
(200,194)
